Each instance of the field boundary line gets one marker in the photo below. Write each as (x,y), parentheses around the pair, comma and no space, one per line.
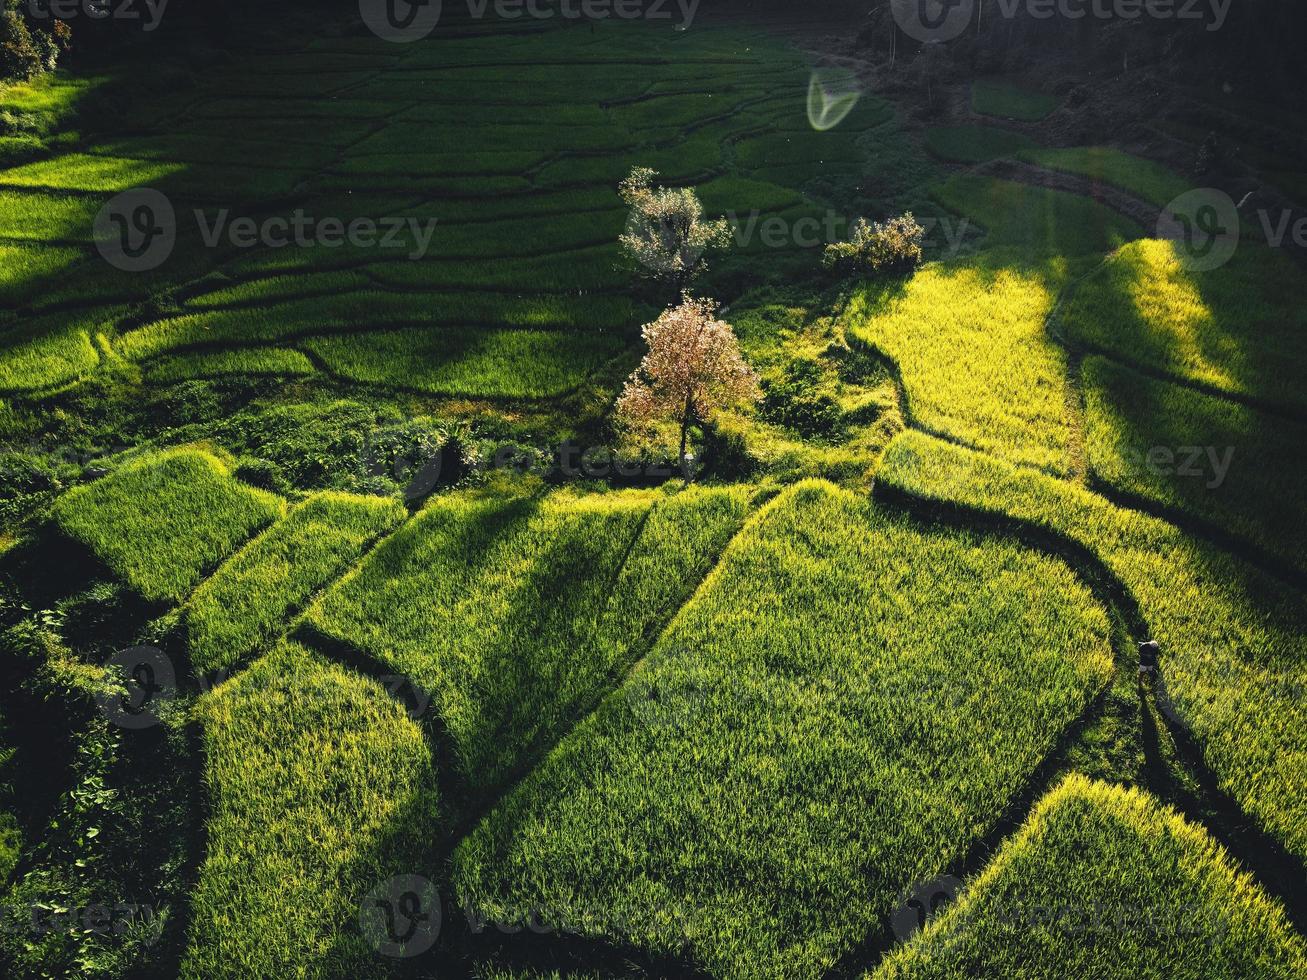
(616,679)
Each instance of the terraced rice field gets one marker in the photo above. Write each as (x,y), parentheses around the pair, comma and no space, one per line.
(346,630)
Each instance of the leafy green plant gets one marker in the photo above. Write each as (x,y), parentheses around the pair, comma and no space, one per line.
(893,246)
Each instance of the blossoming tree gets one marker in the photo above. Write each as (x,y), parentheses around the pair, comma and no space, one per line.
(693,368)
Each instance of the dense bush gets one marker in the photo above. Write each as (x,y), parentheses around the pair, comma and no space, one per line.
(27,51)
(797,400)
(890,246)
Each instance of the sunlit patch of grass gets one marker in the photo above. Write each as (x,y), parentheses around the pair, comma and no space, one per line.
(249,601)
(19,149)
(322,789)
(1145,179)
(216,364)
(163,521)
(1103,881)
(83,172)
(1230,464)
(24,269)
(48,99)
(515,613)
(990,97)
(1240,328)
(1231,636)
(356,312)
(849,700)
(43,217)
(1044,221)
(50,351)
(975,144)
(469,361)
(968,338)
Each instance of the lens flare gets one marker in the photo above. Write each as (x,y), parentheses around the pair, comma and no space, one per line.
(832,94)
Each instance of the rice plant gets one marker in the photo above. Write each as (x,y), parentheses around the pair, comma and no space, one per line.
(1107,882)
(847,702)
(252,598)
(163,521)
(1231,635)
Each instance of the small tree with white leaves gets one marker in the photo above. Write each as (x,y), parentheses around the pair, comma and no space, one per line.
(666,233)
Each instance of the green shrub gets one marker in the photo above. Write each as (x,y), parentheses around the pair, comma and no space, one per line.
(797,401)
(891,246)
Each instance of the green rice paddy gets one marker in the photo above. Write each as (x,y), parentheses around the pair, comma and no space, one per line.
(715,722)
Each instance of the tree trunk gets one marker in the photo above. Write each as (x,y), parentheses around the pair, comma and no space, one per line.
(685,434)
